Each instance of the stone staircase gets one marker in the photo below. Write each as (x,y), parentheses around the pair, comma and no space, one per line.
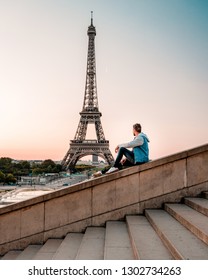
(178,231)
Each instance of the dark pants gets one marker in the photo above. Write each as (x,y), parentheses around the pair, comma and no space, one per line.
(129,160)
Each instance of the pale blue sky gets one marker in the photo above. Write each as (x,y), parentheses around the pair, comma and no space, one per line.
(152,67)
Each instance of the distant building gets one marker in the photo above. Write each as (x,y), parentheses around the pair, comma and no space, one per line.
(38,180)
(95,159)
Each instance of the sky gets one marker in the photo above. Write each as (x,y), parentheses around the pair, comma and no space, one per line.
(152,68)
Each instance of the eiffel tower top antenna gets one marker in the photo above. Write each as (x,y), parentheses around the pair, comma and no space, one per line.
(91,17)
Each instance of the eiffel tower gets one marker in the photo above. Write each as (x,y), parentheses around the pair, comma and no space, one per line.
(80,147)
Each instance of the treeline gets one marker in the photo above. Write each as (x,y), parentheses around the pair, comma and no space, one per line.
(82,167)
(11,171)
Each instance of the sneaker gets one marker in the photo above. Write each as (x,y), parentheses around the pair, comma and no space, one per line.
(97,174)
(112,169)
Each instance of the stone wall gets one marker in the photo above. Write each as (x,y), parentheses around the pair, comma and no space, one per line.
(110,197)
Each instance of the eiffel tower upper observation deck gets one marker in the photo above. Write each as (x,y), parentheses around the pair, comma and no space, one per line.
(90,114)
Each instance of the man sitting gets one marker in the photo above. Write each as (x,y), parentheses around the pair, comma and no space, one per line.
(138,155)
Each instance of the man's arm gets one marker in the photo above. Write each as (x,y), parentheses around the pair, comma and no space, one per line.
(138,141)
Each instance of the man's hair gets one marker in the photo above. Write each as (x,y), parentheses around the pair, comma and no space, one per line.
(137,127)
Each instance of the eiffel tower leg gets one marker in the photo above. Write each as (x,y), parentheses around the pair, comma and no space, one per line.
(82,129)
(99,130)
(109,157)
(72,159)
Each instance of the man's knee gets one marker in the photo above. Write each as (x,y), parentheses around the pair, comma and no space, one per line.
(122,149)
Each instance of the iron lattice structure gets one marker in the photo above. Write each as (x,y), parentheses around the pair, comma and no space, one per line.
(80,147)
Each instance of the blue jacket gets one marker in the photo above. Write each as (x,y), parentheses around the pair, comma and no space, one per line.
(141,153)
(140,148)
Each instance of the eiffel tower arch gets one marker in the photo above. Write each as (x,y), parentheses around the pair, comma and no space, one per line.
(90,114)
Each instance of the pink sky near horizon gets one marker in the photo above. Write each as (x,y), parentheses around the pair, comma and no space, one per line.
(152,65)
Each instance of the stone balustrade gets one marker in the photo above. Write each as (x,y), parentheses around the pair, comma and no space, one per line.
(110,197)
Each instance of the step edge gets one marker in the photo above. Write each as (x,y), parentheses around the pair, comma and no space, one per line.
(132,241)
(172,249)
(196,206)
(199,233)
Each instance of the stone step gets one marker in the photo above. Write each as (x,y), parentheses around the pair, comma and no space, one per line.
(29,252)
(117,242)
(180,231)
(146,243)
(197,203)
(11,255)
(47,251)
(69,247)
(92,245)
(182,243)
(191,219)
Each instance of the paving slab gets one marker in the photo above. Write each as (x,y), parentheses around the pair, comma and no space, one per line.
(146,242)
(181,242)
(48,249)
(11,255)
(191,219)
(29,252)
(117,242)
(92,245)
(198,203)
(69,247)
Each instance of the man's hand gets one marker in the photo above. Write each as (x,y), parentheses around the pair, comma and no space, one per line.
(123,161)
(116,149)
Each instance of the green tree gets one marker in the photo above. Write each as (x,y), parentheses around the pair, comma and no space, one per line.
(24,168)
(48,166)
(2,177)
(5,164)
(37,171)
(46,163)
(58,168)
(10,179)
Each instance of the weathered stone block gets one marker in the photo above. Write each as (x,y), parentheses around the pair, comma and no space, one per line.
(68,209)
(174,176)
(151,183)
(197,169)
(104,198)
(127,190)
(162,179)
(10,227)
(32,220)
